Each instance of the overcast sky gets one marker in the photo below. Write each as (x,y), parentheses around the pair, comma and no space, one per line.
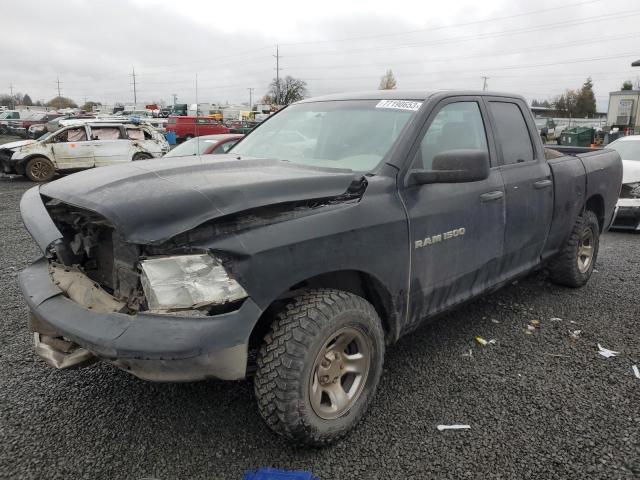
(535,48)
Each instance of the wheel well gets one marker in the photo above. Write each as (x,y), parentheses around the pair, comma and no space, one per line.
(21,165)
(353,281)
(595,204)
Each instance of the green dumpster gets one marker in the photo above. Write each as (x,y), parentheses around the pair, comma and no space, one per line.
(577,136)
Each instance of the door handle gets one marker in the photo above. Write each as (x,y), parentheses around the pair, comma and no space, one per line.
(491,196)
(542,184)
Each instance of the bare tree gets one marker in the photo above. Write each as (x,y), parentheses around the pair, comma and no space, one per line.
(290,90)
(388,81)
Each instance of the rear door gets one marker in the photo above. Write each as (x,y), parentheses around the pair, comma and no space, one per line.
(527,181)
(110,145)
(72,149)
(456,229)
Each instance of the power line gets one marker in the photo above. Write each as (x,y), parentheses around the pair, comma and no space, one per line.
(465,24)
(488,55)
(482,36)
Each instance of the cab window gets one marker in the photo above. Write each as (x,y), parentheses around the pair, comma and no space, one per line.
(456,126)
(511,132)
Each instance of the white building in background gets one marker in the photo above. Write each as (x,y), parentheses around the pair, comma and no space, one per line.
(624,109)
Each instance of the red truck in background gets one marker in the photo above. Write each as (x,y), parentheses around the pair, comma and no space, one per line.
(187,127)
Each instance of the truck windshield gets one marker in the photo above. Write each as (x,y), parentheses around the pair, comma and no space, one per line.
(353,134)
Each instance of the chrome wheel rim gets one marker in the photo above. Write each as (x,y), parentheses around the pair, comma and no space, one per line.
(585,251)
(40,170)
(339,373)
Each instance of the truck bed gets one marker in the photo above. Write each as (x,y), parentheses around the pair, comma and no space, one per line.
(593,176)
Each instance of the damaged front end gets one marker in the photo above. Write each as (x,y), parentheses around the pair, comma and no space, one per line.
(169,310)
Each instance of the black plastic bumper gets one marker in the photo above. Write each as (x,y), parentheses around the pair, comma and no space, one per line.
(151,346)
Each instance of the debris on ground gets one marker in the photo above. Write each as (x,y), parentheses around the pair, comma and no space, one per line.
(484,342)
(575,334)
(495,321)
(453,427)
(468,353)
(555,319)
(605,352)
(532,326)
(561,355)
(636,372)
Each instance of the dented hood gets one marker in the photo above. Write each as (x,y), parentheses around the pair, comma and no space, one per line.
(15,145)
(154,200)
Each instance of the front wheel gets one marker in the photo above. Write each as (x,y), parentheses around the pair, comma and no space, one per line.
(574,265)
(141,156)
(40,169)
(319,366)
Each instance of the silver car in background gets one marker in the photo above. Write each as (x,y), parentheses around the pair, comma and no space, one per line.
(628,207)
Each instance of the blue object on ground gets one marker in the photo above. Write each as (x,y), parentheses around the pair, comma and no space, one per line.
(275,474)
(171,137)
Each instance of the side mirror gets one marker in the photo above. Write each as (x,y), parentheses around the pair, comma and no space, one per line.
(454,166)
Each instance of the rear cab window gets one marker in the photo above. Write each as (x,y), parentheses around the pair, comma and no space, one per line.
(511,132)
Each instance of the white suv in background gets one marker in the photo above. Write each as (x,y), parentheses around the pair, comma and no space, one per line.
(82,146)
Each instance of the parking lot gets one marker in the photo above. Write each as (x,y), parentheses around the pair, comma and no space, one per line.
(540,405)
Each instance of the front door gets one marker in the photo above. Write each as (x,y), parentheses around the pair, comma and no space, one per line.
(456,229)
(72,150)
(528,186)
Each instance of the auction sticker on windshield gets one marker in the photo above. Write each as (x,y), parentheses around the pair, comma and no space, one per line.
(399,104)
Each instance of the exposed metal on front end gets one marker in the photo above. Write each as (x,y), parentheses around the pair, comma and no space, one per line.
(60,353)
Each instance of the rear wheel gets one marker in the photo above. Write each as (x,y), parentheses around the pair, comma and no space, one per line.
(141,156)
(319,366)
(40,169)
(574,265)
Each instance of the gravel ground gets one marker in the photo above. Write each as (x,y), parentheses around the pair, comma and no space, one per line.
(540,406)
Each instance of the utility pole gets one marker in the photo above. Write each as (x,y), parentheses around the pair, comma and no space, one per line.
(484,83)
(175,99)
(58,82)
(277,56)
(250,92)
(135,93)
(11,90)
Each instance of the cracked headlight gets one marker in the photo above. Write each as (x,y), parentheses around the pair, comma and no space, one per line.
(187,282)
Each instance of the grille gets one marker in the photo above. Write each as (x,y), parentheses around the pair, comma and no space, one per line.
(91,244)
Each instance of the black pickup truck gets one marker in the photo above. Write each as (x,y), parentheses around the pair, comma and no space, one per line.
(334,228)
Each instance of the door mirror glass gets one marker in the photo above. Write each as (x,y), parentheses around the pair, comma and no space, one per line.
(454,166)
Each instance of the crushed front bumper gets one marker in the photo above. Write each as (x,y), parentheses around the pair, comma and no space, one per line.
(627,214)
(150,346)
